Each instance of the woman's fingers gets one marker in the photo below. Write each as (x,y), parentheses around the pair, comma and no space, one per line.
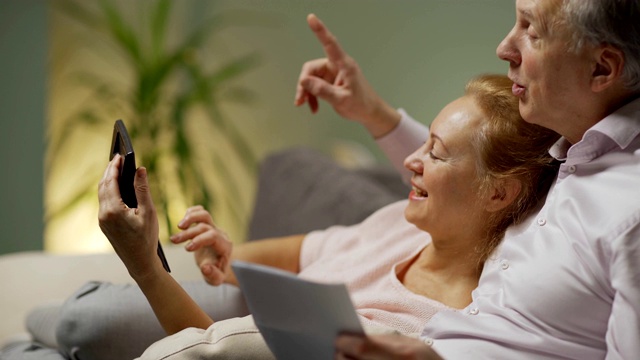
(329,42)
(324,68)
(195,214)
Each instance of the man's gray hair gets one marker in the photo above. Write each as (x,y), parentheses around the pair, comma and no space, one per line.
(613,22)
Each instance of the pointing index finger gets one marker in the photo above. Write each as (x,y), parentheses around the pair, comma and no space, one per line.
(329,42)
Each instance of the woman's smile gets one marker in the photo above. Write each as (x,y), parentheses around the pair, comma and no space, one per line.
(444,172)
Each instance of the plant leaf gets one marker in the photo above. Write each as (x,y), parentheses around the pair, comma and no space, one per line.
(159,20)
(82,194)
(81,14)
(234,69)
(122,33)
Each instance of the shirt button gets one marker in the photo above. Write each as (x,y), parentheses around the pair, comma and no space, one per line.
(542,221)
(474,311)
(504,264)
(571,169)
(428,341)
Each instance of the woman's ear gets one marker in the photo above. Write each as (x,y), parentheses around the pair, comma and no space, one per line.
(504,193)
(608,65)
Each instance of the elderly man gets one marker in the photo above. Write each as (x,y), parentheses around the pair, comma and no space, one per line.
(566,283)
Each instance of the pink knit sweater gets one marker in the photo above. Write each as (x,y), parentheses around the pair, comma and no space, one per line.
(367,257)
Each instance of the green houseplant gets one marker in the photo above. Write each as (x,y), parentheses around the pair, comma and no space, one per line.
(171,104)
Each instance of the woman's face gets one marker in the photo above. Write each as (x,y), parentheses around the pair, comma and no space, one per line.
(445,200)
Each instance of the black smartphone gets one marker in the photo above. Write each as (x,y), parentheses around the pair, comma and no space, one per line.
(121,144)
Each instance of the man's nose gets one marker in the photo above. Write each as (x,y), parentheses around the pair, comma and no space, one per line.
(507,51)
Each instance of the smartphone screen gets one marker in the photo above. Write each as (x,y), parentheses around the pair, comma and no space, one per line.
(121,144)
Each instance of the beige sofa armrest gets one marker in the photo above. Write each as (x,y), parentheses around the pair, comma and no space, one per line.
(31,279)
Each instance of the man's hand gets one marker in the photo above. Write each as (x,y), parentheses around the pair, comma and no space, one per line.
(211,245)
(382,347)
(337,79)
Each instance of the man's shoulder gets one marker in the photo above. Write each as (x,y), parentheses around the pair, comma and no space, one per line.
(602,194)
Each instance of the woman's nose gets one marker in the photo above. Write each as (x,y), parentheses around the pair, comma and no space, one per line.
(413,163)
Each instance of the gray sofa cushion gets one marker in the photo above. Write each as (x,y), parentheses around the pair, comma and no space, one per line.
(301,189)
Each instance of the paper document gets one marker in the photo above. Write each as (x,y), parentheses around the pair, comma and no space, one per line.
(298,319)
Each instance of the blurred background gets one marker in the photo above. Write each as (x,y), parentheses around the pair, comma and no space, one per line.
(206,90)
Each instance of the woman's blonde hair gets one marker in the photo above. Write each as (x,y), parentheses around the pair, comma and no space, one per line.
(509,148)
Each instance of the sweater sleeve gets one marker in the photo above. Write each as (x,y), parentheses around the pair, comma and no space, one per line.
(408,136)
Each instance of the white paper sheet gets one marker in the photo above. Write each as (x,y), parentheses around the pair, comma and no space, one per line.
(298,319)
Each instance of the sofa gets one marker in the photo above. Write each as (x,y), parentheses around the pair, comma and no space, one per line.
(299,190)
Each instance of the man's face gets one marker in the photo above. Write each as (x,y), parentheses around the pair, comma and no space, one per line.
(550,80)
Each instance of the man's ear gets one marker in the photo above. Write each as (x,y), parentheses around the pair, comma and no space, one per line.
(608,65)
(504,193)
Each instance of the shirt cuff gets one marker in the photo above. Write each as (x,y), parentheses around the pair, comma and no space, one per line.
(402,141)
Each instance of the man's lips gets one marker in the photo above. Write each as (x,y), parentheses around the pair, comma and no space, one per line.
(518,90)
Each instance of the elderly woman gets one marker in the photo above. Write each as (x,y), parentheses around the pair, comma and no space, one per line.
(482,169)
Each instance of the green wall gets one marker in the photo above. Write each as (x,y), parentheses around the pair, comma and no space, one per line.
(417,53)
(23,49)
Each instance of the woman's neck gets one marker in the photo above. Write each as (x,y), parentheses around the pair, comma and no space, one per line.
(455,260)
(445,275)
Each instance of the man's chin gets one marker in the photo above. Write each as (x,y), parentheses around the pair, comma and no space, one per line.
(526,111)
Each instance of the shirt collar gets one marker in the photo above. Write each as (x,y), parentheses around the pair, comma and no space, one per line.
(616,131)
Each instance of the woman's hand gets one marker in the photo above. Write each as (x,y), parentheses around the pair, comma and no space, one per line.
(133,233)
(337,79)
(211,246)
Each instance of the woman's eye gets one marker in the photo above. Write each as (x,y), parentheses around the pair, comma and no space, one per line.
(431,155)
